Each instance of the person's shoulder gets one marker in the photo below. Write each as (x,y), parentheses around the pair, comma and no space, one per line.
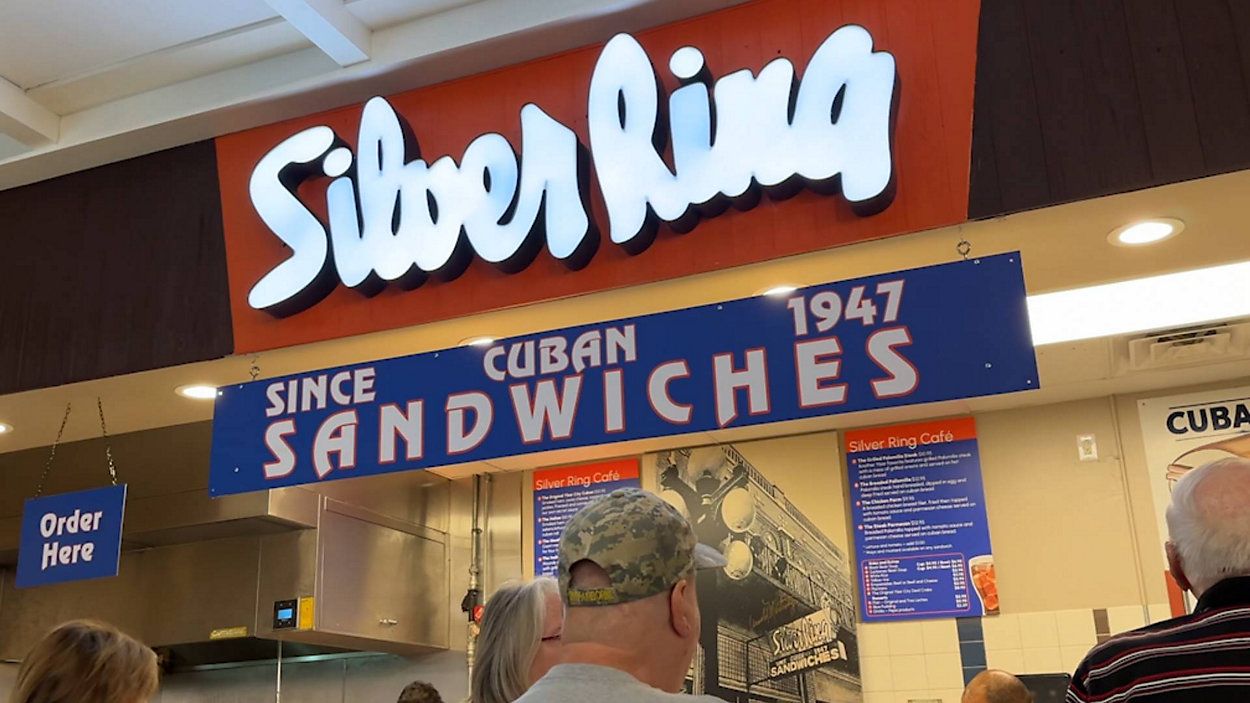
(572,684)
(1166,633)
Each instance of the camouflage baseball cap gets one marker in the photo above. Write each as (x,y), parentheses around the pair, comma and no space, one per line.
(642,542)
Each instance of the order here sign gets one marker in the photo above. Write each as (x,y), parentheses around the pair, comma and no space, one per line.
(71,537)
(943,332)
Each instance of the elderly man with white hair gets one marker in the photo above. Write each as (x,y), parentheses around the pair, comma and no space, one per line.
(1204,656)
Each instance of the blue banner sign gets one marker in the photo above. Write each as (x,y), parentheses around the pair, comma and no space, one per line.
(71,537)
(942,332)
(918,508)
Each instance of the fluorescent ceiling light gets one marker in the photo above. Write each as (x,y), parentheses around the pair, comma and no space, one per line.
(1142,304)
(1146,232)
(198,391)
(777,291)
(478,341)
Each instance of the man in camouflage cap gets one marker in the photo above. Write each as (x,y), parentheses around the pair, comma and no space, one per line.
(627,574)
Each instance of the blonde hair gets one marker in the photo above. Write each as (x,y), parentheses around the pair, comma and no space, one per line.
(83,661)
(512,627)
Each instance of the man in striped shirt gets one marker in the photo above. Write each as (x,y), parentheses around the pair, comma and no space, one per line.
(1204,656)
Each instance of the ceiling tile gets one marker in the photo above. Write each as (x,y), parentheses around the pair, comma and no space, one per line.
(43,41)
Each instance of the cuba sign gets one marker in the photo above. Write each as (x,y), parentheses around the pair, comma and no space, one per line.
(394,217)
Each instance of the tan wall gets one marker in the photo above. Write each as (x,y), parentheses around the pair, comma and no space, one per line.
(1060,527)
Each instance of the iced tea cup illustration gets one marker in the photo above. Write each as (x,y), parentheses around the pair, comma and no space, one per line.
(985,581)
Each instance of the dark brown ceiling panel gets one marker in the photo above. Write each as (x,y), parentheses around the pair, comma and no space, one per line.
(1077,100)
(113,270)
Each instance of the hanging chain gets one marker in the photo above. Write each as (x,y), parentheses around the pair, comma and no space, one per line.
(108,449)
(255,370)
(47,467)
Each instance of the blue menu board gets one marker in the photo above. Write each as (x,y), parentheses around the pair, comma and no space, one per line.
(561,492)
(921,536)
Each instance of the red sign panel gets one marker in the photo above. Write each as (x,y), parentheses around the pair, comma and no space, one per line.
(932,47)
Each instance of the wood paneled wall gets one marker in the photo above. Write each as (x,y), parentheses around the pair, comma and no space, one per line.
(113,270)
(1081,98)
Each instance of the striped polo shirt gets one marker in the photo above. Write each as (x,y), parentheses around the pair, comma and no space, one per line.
(1203,657)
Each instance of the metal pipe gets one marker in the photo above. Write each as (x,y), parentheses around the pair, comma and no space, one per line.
(475,575)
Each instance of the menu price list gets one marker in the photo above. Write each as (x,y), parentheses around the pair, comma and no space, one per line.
(919,511)
(929,585)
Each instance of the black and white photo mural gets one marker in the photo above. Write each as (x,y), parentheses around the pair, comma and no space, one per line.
(779,619)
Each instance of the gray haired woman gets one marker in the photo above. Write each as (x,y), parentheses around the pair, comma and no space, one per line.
(519,640)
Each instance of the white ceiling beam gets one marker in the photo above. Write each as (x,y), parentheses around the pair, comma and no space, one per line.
(24,119)
(329,25)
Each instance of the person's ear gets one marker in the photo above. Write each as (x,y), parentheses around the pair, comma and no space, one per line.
(679,609)
(1177,567)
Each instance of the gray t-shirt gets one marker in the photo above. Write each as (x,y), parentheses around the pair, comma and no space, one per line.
(579,683)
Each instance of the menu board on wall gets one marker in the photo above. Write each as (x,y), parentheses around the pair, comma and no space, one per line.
(1182,432)
(921,535)
(561,492)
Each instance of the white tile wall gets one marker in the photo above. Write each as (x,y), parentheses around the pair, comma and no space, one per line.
(1125,617)
(908,672)
(920,696)
(940,636)
(1005,659)
(1042,660)
(873,637)
(1071,656)
(944,670)
(920,660)
(1076,628)
(906,638)
(875,673)
(1160,612)
(1038,630)
(1002,632)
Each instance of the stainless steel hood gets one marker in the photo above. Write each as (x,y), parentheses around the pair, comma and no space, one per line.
(361,581)
(364,564)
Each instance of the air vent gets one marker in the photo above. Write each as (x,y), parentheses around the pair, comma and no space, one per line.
(1188,346)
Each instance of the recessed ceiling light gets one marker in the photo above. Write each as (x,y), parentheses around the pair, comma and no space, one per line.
(478,341)
(779,290)
(1146,232)
(5,428)
(198,391)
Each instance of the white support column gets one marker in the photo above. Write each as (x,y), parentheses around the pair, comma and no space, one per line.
(329,25)
(24,119)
